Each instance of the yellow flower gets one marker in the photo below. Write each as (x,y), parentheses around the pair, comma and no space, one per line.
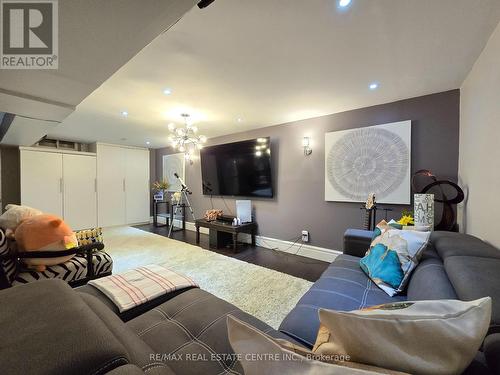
(406,220)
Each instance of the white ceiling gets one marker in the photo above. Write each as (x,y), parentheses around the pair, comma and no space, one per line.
(274,61)
(96,38)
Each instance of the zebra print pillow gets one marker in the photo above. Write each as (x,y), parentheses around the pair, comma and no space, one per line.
(102,263)
(7,261)
(74,269)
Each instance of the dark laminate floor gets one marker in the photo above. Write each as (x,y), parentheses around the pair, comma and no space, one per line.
(305,268)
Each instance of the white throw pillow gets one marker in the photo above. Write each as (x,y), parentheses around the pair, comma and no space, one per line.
(260,354)
(424,337)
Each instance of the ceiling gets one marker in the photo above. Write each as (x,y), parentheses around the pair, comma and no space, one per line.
(271,62)
(95,39)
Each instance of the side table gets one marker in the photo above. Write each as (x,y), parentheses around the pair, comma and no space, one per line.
(157,213)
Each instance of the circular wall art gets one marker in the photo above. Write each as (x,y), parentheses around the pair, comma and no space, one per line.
(367,160)
(173,163)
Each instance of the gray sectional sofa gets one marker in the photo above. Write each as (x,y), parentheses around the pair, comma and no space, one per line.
(453,266)
(49,328)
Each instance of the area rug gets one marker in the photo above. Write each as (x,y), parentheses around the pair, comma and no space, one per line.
(267,294)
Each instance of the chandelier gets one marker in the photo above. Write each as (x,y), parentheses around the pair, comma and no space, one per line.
(186,139)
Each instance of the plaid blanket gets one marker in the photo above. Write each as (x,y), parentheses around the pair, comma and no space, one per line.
(137,286)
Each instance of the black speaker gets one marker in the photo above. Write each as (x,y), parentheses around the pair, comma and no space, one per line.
(204,3)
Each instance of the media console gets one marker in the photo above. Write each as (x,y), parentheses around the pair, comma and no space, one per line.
(217,228)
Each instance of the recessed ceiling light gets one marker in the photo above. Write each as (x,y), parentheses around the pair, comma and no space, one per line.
(240,119)
(148,143)
(167,91)
(124,113)
(344,3)
(373,86)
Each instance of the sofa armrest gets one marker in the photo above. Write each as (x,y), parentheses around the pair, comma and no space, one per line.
(4,281)
(88,251)
(491,348)
(357,242)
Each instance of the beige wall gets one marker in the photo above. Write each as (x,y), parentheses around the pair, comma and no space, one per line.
(479,161)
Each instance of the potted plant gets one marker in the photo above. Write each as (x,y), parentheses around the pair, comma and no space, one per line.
(160,188)
(406,218)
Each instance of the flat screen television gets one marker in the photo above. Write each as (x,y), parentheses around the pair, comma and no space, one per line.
(238,169)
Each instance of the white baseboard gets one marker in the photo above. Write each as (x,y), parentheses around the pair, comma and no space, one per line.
(302,249)
(299,248)
(178,224)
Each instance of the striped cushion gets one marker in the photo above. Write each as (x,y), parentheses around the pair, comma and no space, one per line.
(9,265)
(73,270)
(102,263)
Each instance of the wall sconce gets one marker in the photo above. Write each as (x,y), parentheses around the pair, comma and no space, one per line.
(306,143)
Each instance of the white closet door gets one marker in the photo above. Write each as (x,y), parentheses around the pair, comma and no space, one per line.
(111,185)
(137,185)
(42,181)
(80,196)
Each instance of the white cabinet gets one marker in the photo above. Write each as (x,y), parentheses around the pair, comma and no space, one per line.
(111,185)
(80,195)
(62,184)
(108,191)
(122,185)
(42,181)
(137,185)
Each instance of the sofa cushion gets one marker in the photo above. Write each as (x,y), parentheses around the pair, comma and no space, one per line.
(132,313)
(492,352)
(476,277)
(429,282)
(126,370)
(457,244)
(343,287)
(195,324)
(48,329)
(423,337)
(138,352)
(281,357)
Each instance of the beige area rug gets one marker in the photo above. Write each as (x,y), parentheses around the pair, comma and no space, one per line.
(269,295)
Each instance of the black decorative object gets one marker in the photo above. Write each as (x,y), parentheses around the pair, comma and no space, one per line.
(448,220)
(370,208)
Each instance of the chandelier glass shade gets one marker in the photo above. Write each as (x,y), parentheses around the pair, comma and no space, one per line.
(186,139)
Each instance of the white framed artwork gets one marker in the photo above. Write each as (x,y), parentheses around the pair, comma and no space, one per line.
(174,163)
(374,159)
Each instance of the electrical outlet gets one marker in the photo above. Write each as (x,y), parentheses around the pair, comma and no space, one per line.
(305,236)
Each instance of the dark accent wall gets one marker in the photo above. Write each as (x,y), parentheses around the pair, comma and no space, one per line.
(10,176)
(299,180)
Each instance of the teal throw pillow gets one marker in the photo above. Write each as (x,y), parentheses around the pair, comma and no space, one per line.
(392,257)
(382,265)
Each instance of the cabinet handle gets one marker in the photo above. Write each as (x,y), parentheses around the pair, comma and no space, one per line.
(61,185)
(123,184)
(95,185)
